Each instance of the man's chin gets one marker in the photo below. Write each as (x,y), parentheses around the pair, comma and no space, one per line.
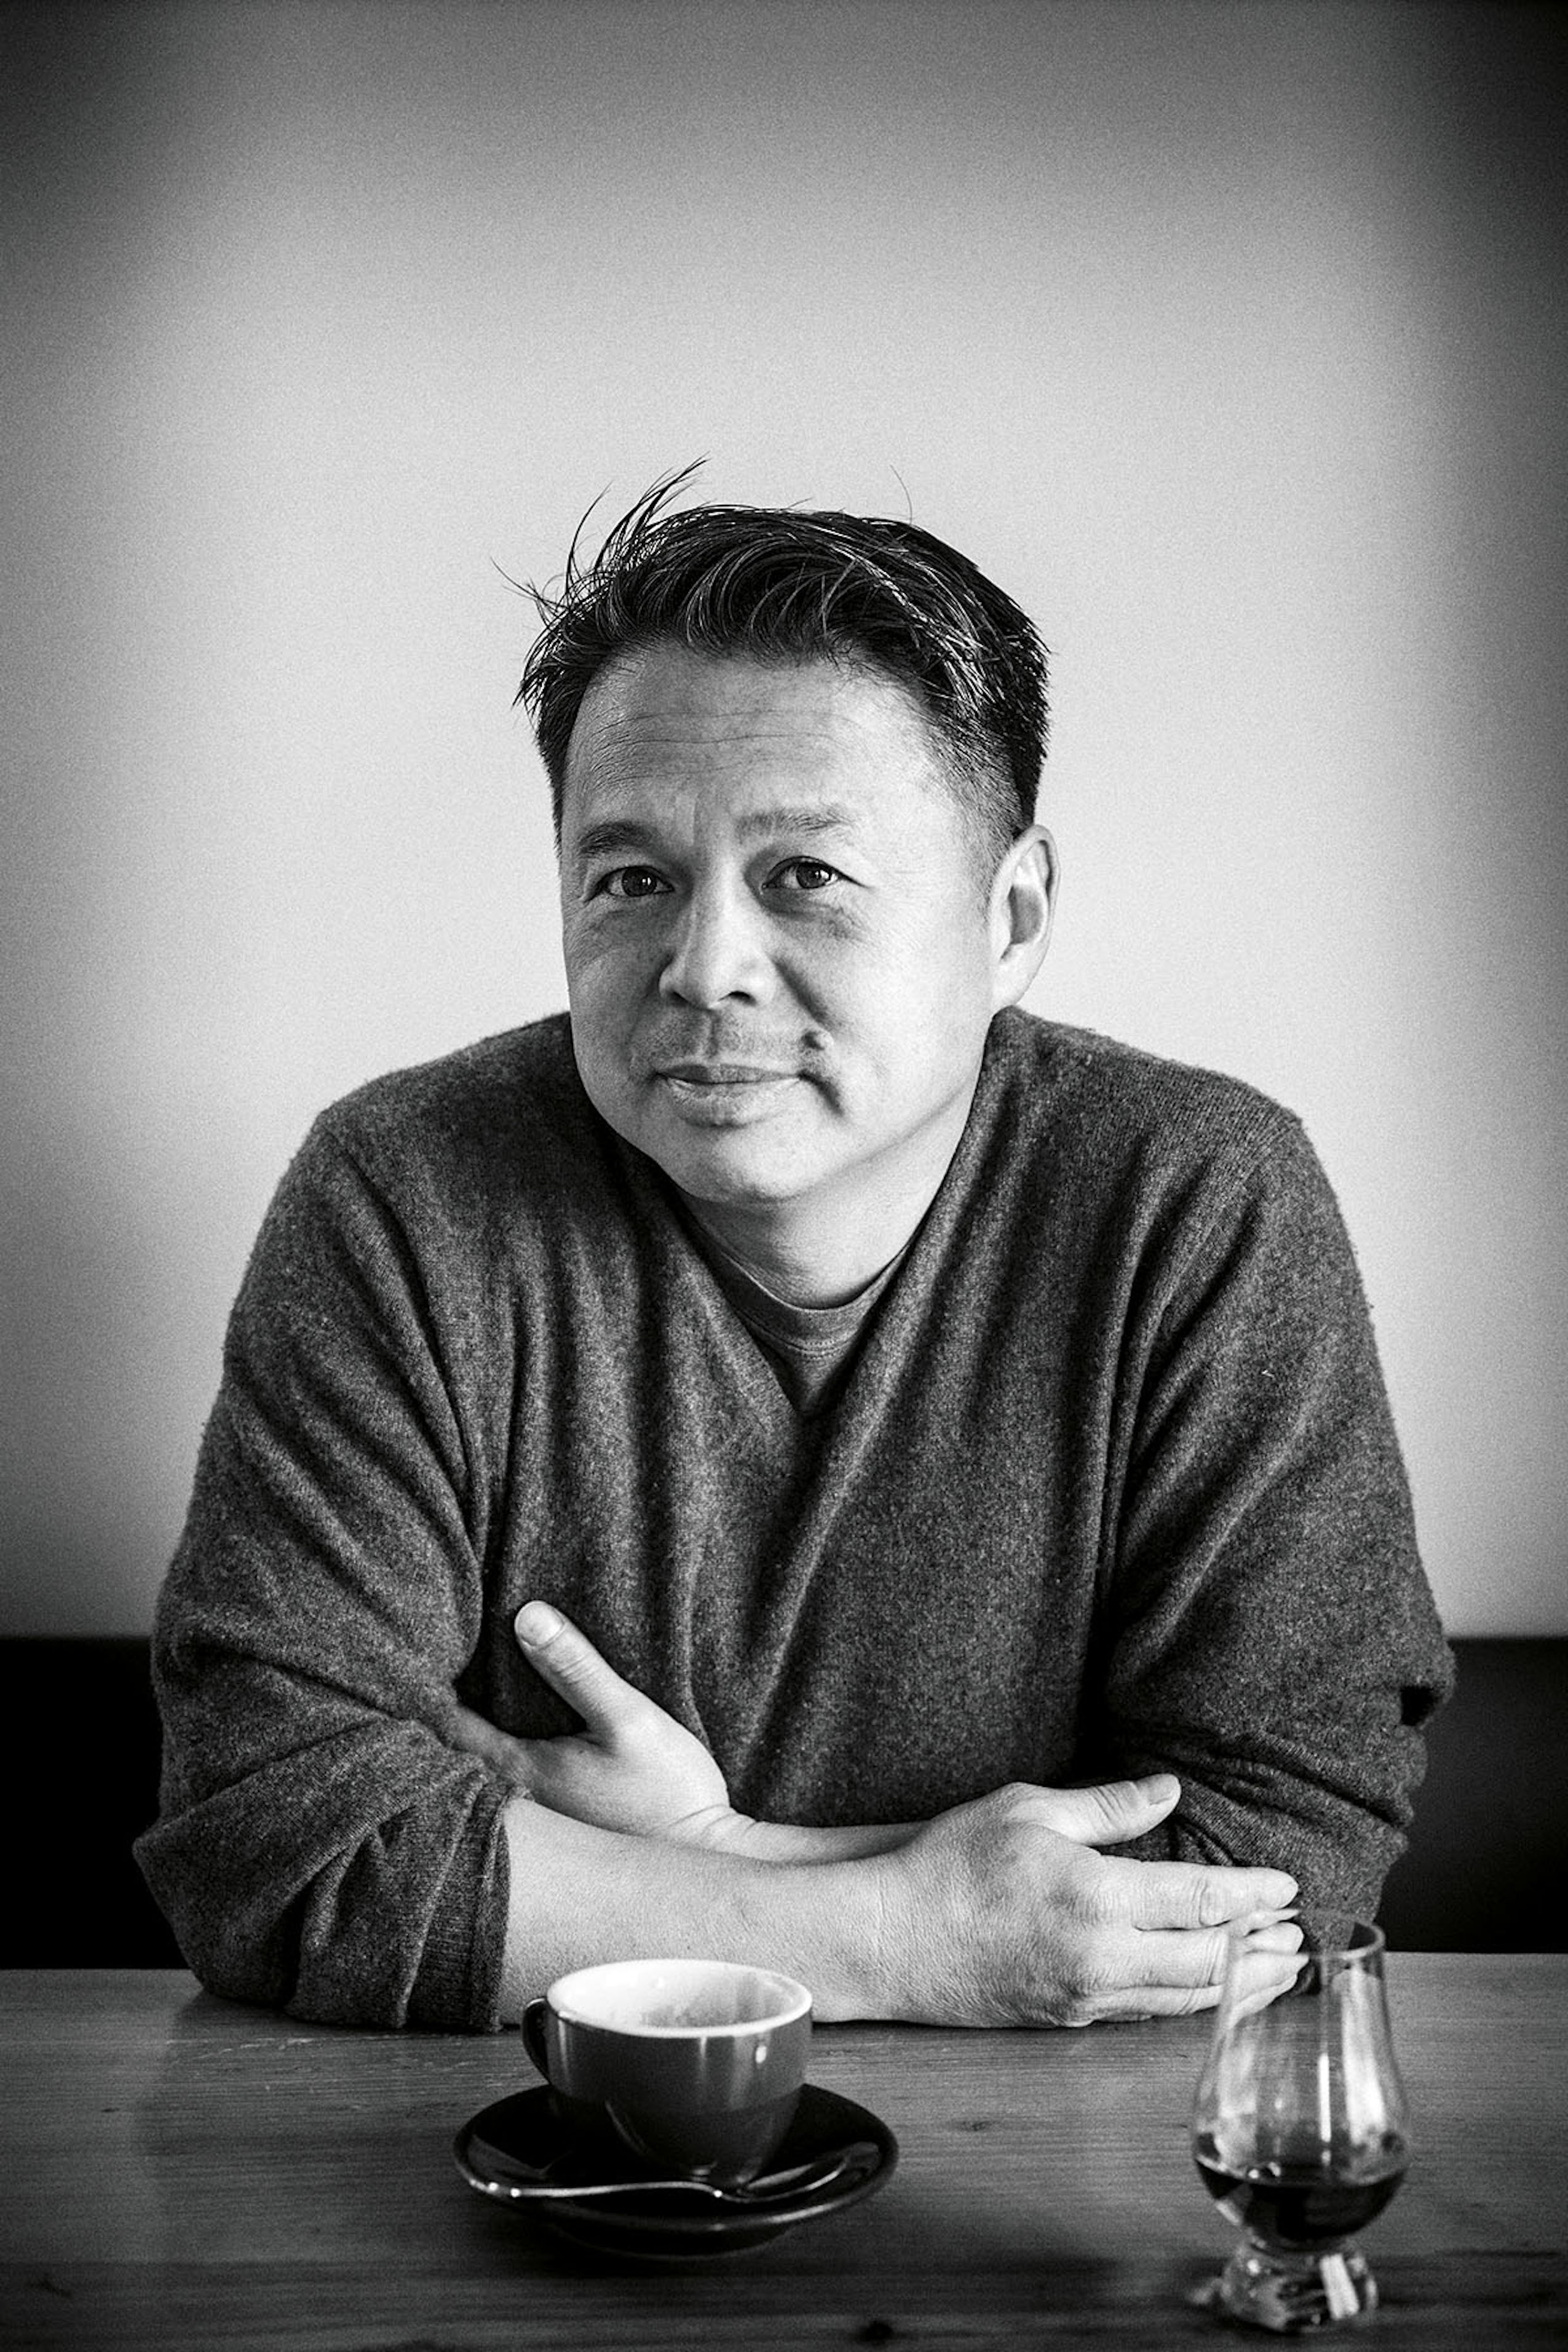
(727,1145)
(732,1165)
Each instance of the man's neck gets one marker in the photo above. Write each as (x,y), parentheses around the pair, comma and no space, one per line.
(827,1246)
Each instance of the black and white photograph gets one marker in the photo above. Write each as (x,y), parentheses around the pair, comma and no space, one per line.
(783,1173)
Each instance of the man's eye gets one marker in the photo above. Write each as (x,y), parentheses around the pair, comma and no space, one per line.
(631,882)
(807,874)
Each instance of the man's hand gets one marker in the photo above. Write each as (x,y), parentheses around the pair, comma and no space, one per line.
(631,1768)
(1001,1912)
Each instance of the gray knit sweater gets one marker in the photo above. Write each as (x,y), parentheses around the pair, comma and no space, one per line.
(1111,1484)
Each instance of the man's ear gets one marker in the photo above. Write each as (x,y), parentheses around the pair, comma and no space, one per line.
(1022,903)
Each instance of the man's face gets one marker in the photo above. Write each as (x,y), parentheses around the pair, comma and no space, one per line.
(780,964)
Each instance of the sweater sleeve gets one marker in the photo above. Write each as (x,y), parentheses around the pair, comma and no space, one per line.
(319,1846)
(1271,1635)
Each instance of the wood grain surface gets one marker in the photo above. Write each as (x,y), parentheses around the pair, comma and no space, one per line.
(180,2172)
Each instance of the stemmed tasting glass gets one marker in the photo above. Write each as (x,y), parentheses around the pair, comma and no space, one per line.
(1299,2127)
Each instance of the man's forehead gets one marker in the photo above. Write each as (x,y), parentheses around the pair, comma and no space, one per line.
(658,705)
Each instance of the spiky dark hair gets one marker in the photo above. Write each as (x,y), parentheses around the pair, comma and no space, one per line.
(780,583)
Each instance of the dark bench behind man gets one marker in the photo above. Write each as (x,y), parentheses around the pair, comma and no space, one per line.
(1487,1868)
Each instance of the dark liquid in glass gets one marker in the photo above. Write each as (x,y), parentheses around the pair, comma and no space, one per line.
(1299,2208)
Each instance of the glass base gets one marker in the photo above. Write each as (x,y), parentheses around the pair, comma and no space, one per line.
(1290,2294)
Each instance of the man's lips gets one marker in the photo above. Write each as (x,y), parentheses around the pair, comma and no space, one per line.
(722,1074)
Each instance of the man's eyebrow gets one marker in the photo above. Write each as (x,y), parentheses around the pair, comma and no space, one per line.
(613,835)
(812,819)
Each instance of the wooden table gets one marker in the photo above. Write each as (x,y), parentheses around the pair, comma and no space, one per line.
(180,2172)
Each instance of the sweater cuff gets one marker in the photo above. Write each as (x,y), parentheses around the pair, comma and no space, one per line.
(457,1987)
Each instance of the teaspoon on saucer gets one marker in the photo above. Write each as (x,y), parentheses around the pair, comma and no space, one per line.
(795,2180)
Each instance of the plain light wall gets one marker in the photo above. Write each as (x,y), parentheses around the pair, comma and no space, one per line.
(1228,339)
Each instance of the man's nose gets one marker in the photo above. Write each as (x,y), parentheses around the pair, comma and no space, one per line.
(718,950)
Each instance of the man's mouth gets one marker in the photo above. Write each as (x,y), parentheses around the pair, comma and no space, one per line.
(723,1073)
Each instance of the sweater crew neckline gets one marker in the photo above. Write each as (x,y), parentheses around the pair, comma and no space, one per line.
(809,1347)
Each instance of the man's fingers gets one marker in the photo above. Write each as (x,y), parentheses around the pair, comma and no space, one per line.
(1156,1894)
(1197,1893)
(568,1661)
(507,1756)
(1155,2000)
(1174,1962)
(1173,1975)
(1108,1814)
(1170,1972)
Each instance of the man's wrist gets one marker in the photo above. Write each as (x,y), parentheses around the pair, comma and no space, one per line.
(724,1831)
(578,1895)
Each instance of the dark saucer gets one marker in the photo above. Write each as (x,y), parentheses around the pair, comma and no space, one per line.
(512,2149)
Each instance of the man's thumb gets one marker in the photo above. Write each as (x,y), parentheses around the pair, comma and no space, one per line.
(568,1661)
(1114,1811)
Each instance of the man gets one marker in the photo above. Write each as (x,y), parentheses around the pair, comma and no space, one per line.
(796,1460)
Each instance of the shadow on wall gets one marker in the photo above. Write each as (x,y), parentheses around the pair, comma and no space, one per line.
(95,1300)
(1487,1868)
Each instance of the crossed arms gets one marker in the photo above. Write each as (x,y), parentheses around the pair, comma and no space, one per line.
(997,1912)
